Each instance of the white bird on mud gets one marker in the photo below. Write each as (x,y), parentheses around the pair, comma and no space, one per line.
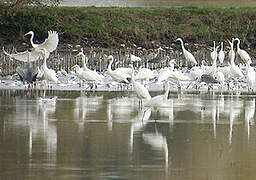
(188,55)
(242,53)
(118,75)
(49,74)
(221,55)
(142,91)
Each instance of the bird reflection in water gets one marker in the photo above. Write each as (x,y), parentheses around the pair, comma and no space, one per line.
(158,142)
(249,115)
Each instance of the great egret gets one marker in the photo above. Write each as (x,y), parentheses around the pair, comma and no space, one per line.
(188,55)
(165,73)
(118,75)
(50,44)
(133,58)
(221,55)
(144,74)
(86,73)
(177,75)
(250,74)
(141,90)
(214,54)
(49,74)
(235,70)
(159,100)
(242,53)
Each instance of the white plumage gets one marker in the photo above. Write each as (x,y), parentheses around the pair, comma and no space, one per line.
(242,53)
(49,74)
(50,44)
(188,55)
(221,55)
(119,75)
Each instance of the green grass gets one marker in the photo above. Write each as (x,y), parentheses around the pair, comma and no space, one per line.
(110,27)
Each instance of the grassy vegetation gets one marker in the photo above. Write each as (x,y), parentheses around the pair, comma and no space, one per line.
(146,27)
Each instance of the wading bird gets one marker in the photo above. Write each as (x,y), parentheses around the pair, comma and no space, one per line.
(142,92)
(50,44)
(49,74)
(188,55)
(242,53)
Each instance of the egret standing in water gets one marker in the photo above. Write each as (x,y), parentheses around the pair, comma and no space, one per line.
(49,74)
(86,74)
(188,55)
(142,91)
(119,75)
(159,100)
(250,74)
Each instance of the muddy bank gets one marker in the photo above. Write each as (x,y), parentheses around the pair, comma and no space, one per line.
(130,27)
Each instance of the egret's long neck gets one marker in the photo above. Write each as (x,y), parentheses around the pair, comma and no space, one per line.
(45,64)
(238,44)
(222,46)
(110,64)
(182,45)
(31,40)
(84,63)
(167,92)
(171,68)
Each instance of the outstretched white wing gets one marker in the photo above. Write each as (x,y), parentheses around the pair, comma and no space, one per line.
(51,43)
(25,56)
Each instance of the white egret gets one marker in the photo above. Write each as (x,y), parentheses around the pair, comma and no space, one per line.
(221,55)
(49,74)
(144,74)
(235,70)
(159,100)
(188,55)
(165,73)
(177,75)
(50,44)
(118,75)
(86,73)
(242,53)
(214,54)
(133,58)
(142,91)
(250,74)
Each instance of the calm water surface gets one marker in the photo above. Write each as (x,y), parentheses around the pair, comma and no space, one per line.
(94,135)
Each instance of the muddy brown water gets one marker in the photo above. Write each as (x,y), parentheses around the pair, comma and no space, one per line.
(104,135)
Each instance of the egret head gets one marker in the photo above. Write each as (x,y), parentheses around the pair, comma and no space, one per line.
(75,68)
(110,57)
(179,39)
(29,33)
(172,62)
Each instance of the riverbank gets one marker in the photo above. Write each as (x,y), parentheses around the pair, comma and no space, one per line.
(114,27)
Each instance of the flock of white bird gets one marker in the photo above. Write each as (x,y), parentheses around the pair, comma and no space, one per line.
(230,76)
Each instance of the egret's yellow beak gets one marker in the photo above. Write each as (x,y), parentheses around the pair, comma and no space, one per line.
(73,68)
(26,34)
(78,55)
